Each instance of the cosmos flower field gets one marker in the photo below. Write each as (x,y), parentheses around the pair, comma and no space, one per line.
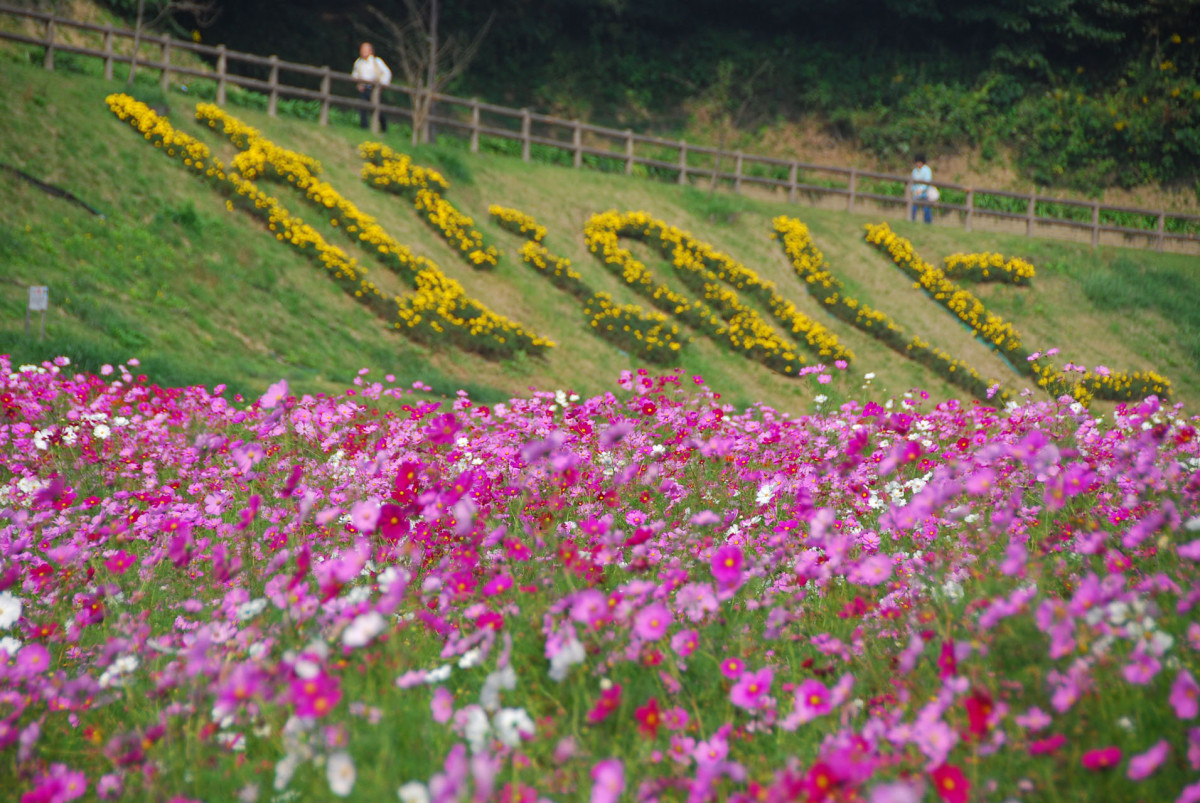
(643,596)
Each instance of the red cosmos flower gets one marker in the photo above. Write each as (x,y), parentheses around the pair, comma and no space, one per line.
(947,662)
(649,717)
(820,782)
(979,709)
(1102,759)
(950,783)
(392,523)
(610,700)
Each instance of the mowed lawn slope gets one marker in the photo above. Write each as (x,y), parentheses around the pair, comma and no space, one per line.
(199,294)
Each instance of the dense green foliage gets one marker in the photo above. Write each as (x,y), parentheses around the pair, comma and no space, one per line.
(1084,93)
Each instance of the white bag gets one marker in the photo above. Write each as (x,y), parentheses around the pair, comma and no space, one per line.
(932,194)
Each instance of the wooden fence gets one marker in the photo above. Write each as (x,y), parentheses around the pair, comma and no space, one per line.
(614,148)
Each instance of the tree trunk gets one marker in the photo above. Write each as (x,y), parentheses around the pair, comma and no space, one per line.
(137,39)
(431,79)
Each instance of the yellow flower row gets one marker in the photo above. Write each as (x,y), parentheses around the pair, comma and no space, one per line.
(517,222)
(702,267)
(989,267)
(991,329)
(628,326)
(557,269)
(386,168)
(634,329)
(1003,336)
(456,228)
(740,328)
(283,224)
(810,266)
(440,304)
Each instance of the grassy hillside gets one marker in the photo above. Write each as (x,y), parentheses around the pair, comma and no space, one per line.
(200,294)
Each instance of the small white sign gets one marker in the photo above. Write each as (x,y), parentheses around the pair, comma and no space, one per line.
(39,298)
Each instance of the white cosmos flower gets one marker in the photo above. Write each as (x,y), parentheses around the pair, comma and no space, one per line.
(10,645)
(101,431)
(10,610)
(341,773)
(413,792)
(364,628)
(511,723)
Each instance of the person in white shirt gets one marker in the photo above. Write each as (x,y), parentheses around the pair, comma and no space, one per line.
(369,69)
(921,176)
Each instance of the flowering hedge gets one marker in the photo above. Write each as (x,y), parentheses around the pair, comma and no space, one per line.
(628,326)
(705,270)
(1002,336)
(810,266)
(456,228)
(645,594)
(646,333)
(719,313)
(517,222)
(386,169)
(439,307)
(389,169)
(989,267)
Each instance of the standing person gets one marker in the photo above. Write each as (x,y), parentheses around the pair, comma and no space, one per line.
(921,176)
(369,69)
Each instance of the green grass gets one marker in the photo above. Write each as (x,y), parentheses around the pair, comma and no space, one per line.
(199,294)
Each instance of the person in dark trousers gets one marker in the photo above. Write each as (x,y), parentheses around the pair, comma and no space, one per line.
(370,70)
(921,176)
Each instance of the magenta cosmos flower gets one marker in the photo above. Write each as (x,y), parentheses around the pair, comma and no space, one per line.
(651,622)
(608,781)
(727,565)
(1185,696)
(751,688)
(1102,759)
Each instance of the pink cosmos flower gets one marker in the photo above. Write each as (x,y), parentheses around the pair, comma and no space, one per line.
(751,687)
(1146,764)
(1185,696)
(442,705)
(651,622)
(364,515)
(608,781)
(1050,744)
(871,571)
(315,696)
(610,701)
(727,565)
(275,393)
(684,642)
(733,668)
(32,659)
(812,700)
(1102,759)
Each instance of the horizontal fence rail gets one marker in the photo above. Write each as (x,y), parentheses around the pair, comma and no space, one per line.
(608,148)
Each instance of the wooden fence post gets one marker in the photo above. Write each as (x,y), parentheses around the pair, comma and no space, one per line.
(221,69)
(526,126)
(376,92)
(273,82)
(108,53)
(577,142)
(474,126)
(1162,227)
(970,209)
(1095,224)
(48,62)
(793,175)
(737,171)
(326,86)
(629,151)
(683,167)
(164,80)
(1029,212)
(853,188)
(908,199)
